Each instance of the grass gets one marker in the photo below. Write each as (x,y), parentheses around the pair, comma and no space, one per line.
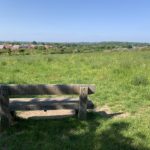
(122,83)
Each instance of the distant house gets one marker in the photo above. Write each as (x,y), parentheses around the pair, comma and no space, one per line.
(32,46)
(15,47)
(2,47)
(8,46)
(48,46)
(24,47)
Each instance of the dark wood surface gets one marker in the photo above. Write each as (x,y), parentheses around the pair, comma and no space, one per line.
(5,117)
(42,89)
(46,104)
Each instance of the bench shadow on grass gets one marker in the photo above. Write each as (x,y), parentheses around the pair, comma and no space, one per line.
(70,133)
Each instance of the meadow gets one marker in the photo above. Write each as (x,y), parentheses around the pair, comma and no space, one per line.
(122,82)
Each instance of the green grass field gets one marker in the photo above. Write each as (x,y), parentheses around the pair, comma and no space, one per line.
(122,82)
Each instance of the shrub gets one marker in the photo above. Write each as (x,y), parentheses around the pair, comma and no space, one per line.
(147,96)
(140,80)
(3,63)
(22,51)
(49,59)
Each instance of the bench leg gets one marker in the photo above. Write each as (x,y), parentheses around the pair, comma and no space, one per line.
(83,103)
(13,115)
(5,117)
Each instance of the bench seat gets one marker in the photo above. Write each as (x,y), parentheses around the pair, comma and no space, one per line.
(9,103)
(17,104)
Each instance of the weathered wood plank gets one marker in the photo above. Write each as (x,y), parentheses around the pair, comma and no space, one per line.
(46,104)
(83,103)
(41,89)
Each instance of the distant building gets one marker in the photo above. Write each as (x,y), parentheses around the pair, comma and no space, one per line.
(8,46)
(24,47)
(2,47)
(32,46)
(48,46)
(15,47)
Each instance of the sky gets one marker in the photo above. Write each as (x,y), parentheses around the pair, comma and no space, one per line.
(75,20)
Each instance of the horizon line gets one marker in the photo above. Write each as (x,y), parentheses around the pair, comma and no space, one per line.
(109,41)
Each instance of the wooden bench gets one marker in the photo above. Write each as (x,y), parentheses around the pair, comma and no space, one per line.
(8,105)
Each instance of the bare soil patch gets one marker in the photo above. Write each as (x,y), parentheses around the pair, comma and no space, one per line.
(105,111)
(45,114)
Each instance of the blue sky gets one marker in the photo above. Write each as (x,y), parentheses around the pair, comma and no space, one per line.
(75,20)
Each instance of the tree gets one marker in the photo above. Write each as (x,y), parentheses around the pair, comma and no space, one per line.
(129,46)
(34,42)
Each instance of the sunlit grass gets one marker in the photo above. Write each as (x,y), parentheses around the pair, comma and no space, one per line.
(122,82)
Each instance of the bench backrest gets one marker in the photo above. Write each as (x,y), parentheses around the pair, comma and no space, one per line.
(42,89)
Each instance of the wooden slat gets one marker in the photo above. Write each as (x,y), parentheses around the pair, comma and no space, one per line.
(45,104)
(42,89)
